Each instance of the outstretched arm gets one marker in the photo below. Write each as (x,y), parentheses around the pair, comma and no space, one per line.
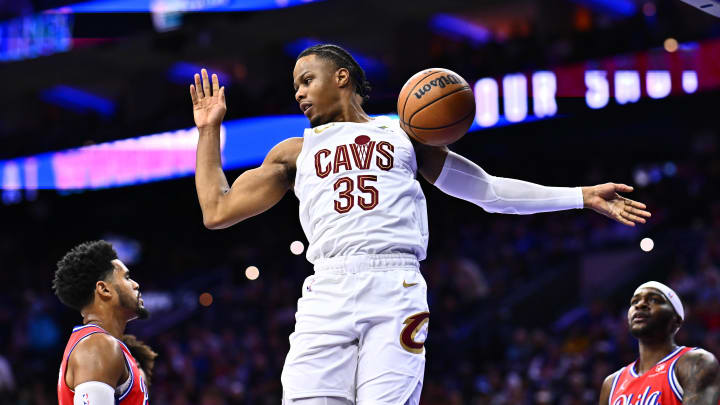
(699,375)
(461,178)
(254,191)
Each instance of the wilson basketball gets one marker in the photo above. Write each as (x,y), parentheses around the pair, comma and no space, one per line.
(436,107)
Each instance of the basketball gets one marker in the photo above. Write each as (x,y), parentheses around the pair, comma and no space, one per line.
(436,107)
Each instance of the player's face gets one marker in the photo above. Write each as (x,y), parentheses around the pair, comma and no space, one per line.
(651,315)
(316,89)
(128,291)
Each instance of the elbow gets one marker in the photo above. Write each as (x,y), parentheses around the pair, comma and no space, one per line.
(213,222)
(219,221)
(210,223)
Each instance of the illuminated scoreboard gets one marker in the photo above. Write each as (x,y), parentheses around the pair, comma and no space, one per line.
(622,79)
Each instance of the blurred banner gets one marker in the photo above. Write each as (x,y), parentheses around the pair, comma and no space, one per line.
(147,6)
(524,97)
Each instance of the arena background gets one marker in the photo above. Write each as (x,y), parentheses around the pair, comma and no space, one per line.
(525,309)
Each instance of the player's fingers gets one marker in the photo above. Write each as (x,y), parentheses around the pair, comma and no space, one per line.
(623,188)
(222,94)
(193,94)
(635,218)
(206,83)
(215,84)
(637,204)
(632,217)
(620,218)
(638,212)
(198,87)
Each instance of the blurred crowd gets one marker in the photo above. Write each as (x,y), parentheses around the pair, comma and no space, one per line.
(509,323)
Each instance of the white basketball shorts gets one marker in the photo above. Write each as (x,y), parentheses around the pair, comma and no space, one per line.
(360,330)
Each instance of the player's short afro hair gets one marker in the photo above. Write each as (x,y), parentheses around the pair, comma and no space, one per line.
(342,59)
(80,269)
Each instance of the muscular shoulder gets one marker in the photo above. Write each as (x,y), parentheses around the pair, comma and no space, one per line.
(606,387)
(96,358)
(285,152)
(609,379)
(697,364)
(282,158)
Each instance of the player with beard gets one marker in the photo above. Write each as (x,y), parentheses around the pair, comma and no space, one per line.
(97,368)
(664,373)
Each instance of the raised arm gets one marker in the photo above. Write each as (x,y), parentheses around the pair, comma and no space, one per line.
(95,368)
(461,178)
(699,375)
(254,191)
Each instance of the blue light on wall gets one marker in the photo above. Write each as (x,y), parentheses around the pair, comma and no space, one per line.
(183,73)
(78,100)
(33,36)
(460,28)
(149,158)
(624,8)
(146,6)
(371,65)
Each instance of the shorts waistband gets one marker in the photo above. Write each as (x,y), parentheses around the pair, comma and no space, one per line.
(362,263)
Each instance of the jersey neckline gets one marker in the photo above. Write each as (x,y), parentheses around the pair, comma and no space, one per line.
(634,374)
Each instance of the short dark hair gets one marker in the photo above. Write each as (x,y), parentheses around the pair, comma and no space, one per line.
(342,59)
(143,354)
(79,270)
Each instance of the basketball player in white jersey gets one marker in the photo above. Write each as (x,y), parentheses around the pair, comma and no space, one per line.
(362,319)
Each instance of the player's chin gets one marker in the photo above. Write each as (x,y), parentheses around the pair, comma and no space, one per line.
(317,120)
(142,313)
(639,331)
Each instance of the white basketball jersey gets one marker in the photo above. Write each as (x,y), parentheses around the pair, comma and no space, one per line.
(357,190)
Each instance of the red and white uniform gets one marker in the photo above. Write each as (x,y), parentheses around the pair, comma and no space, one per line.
(362,320)
(357,191)
(131,392)
(657,386)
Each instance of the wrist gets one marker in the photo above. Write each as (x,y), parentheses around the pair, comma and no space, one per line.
(586,193)
(208,129)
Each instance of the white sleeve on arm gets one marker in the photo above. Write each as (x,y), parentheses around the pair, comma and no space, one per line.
(95,393)
(464,179)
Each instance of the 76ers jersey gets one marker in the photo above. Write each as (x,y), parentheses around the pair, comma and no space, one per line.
(357,190)
(657,386)
(133,392)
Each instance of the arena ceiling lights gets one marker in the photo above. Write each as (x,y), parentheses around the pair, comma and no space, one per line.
(182,6)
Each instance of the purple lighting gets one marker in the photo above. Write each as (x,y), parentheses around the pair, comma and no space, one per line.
(460,28)
(78,100)
(146,6)
(183,72)
(138,160)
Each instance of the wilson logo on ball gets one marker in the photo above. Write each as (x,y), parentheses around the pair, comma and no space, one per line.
(441,82)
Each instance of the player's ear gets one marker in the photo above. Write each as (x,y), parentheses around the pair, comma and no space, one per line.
(342,77)
(102,288)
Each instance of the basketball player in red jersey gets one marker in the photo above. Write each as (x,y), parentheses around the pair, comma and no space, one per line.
(97,368)
(363,316)
(664,373)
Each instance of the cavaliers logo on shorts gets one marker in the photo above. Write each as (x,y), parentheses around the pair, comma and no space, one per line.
(413,331)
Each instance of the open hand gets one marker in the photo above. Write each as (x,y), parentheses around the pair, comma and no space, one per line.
(604,199)
(208,104)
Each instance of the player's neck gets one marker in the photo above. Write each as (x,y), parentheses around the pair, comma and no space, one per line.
(112,325)
(651,352)
(352,112)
